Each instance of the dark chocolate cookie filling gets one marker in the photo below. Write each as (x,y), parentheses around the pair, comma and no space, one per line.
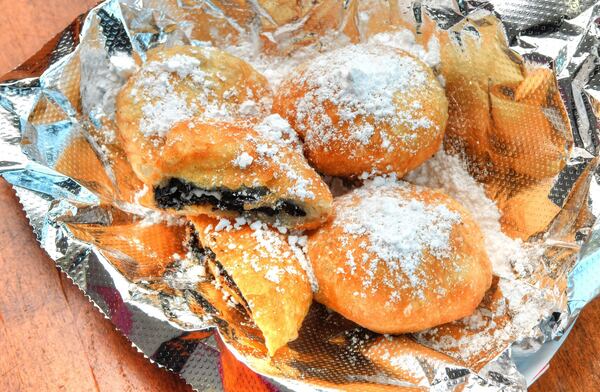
(177,194)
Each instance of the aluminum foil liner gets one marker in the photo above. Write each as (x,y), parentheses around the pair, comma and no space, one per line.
(524,92)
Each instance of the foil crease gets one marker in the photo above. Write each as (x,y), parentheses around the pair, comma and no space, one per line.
(58,150)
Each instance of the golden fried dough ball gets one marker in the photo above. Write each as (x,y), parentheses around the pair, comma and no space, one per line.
(365,108)
(399,258)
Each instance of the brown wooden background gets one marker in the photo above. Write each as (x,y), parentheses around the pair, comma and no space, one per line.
(52,339)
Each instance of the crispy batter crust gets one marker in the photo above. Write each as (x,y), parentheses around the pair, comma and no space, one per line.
(203,154)
(452,287)
(387,150)
(267,274)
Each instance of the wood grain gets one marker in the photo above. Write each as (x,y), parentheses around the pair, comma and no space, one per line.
(52,339)
(26,25)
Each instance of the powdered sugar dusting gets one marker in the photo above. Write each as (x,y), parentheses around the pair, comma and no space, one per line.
(274,274)
(160,116)
(164,106)
(274,255)
(399,232)
(400,245)
(492,327)
(405,40)
(298,244)
(185,273)
(276,68)
(277,129)
(243,160)
(275,139)
(386,349)
(162,89)
(448,173)
(368,84)
(272,246)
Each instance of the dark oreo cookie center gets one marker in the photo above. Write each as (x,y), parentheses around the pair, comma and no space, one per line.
(177,194)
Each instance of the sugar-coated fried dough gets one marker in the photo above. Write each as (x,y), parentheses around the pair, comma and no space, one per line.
(365,108)
(267,274)
(399,258)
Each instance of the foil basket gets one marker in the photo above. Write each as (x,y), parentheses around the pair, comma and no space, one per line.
(538,59)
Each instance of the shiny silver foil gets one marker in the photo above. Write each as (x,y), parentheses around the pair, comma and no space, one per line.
(64,96)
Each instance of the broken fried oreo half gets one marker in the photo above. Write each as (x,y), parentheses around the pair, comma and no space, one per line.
(258,272)
(229,170)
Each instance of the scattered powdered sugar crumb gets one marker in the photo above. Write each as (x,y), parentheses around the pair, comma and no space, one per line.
(182,65)
(243,160)
(223,224)
(110,136)
(399,232)
(280,229)
(185,273)
(249,108)
(277,129)
(403,362)
(350,262)
(405,40)
(449,174)
(153,217)
(239,222)
(274,274)
(123,64)
(298,243)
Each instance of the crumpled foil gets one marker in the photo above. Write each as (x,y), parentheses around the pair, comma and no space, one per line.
(524,90)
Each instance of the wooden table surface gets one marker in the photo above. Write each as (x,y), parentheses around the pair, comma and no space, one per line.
(52,339)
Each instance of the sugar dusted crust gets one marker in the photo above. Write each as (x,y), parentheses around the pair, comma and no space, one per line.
(365,108)
(230,170)
(398,258)
(267,272)
(178,84)
(182,82)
